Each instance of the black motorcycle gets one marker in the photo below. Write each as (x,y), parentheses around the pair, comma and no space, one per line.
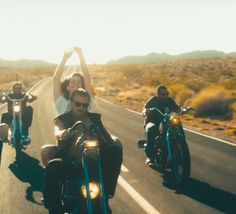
(170,147)
(85,193)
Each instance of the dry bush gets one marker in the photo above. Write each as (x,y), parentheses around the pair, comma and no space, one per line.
(213,102)
(28,77)
(231,132)
(117,80)
(229,83)
(234,110)
(135,97)
(180,93)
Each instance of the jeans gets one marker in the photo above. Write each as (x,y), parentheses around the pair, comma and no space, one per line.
(151,132)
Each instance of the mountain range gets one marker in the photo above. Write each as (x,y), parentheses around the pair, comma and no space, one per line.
(24,63)
(154,57)
(150,58)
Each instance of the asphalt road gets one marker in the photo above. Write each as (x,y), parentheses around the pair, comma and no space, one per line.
(211,189)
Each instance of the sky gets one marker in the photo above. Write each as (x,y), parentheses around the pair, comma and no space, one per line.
(110,29)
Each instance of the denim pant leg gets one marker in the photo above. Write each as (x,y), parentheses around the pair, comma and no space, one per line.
(150,130)
(27,119)
(112,157)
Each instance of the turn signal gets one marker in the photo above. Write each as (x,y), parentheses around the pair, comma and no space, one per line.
(175,120)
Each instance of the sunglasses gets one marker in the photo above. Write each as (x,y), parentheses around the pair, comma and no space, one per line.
(164,94)
(83,105)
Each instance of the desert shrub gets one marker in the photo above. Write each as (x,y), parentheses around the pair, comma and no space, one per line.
(213,102)
(28,77)
(231,132)
(234,110)
(229,84)
(227,73)
(195,85)
(117,80)
(180,93)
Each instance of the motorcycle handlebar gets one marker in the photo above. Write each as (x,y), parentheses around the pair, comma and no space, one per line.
(26,96)
(158,110)
(183,110)
(76,126)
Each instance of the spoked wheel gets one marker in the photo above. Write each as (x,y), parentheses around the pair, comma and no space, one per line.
(181,162)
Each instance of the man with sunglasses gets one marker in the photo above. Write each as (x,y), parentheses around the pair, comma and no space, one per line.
(27,111)
(61,167)
(164,103)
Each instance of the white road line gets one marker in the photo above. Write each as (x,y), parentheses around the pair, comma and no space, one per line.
(124,169)
(214,138)
(147,207)
(105,101)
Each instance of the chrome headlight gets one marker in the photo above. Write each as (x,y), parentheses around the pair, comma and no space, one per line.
(16,108)
(91,144)
(94,189)
(91,149)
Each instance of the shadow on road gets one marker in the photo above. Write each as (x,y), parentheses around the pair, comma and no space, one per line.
(29,170)
(206,194)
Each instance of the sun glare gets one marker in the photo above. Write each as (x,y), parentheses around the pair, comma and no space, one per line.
(111,29)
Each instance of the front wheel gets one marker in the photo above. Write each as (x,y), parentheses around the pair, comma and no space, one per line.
(181,162)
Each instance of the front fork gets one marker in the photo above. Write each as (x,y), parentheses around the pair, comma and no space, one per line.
(101,182)
(171,132)
(17,130)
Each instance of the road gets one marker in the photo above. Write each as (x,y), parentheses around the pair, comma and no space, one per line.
(211,189)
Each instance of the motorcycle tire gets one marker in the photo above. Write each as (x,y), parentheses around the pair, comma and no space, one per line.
(181,164)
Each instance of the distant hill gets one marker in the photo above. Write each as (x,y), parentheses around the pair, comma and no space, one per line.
(24,63)
(153,57)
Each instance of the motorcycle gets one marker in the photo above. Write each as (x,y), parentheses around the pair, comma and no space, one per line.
(86,193)
(15,136)
(170,147)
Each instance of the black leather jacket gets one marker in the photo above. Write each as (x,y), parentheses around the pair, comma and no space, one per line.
(67,120)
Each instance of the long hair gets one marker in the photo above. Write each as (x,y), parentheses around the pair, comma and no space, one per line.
(64,89)
(81,78)
(66,82)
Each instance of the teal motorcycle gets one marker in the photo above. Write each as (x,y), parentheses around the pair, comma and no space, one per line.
(15,136)
(86,193)
(170,147)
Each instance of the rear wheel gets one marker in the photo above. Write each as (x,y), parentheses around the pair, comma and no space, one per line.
(181,162)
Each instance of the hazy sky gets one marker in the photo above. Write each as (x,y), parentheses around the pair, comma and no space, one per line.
(109,29)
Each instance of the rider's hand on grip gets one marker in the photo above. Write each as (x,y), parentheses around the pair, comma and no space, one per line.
(146,112)
(64,135)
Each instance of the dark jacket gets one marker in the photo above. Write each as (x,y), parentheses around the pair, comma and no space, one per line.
(67,120)
(162,104)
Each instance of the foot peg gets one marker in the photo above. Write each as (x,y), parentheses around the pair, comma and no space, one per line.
(142,143)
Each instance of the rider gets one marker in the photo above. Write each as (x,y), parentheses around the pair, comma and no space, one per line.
(27,111)
(164,103)
(61,168)
(62,89)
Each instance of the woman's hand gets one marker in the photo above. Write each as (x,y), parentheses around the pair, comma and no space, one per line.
(77,50)
(67,55)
